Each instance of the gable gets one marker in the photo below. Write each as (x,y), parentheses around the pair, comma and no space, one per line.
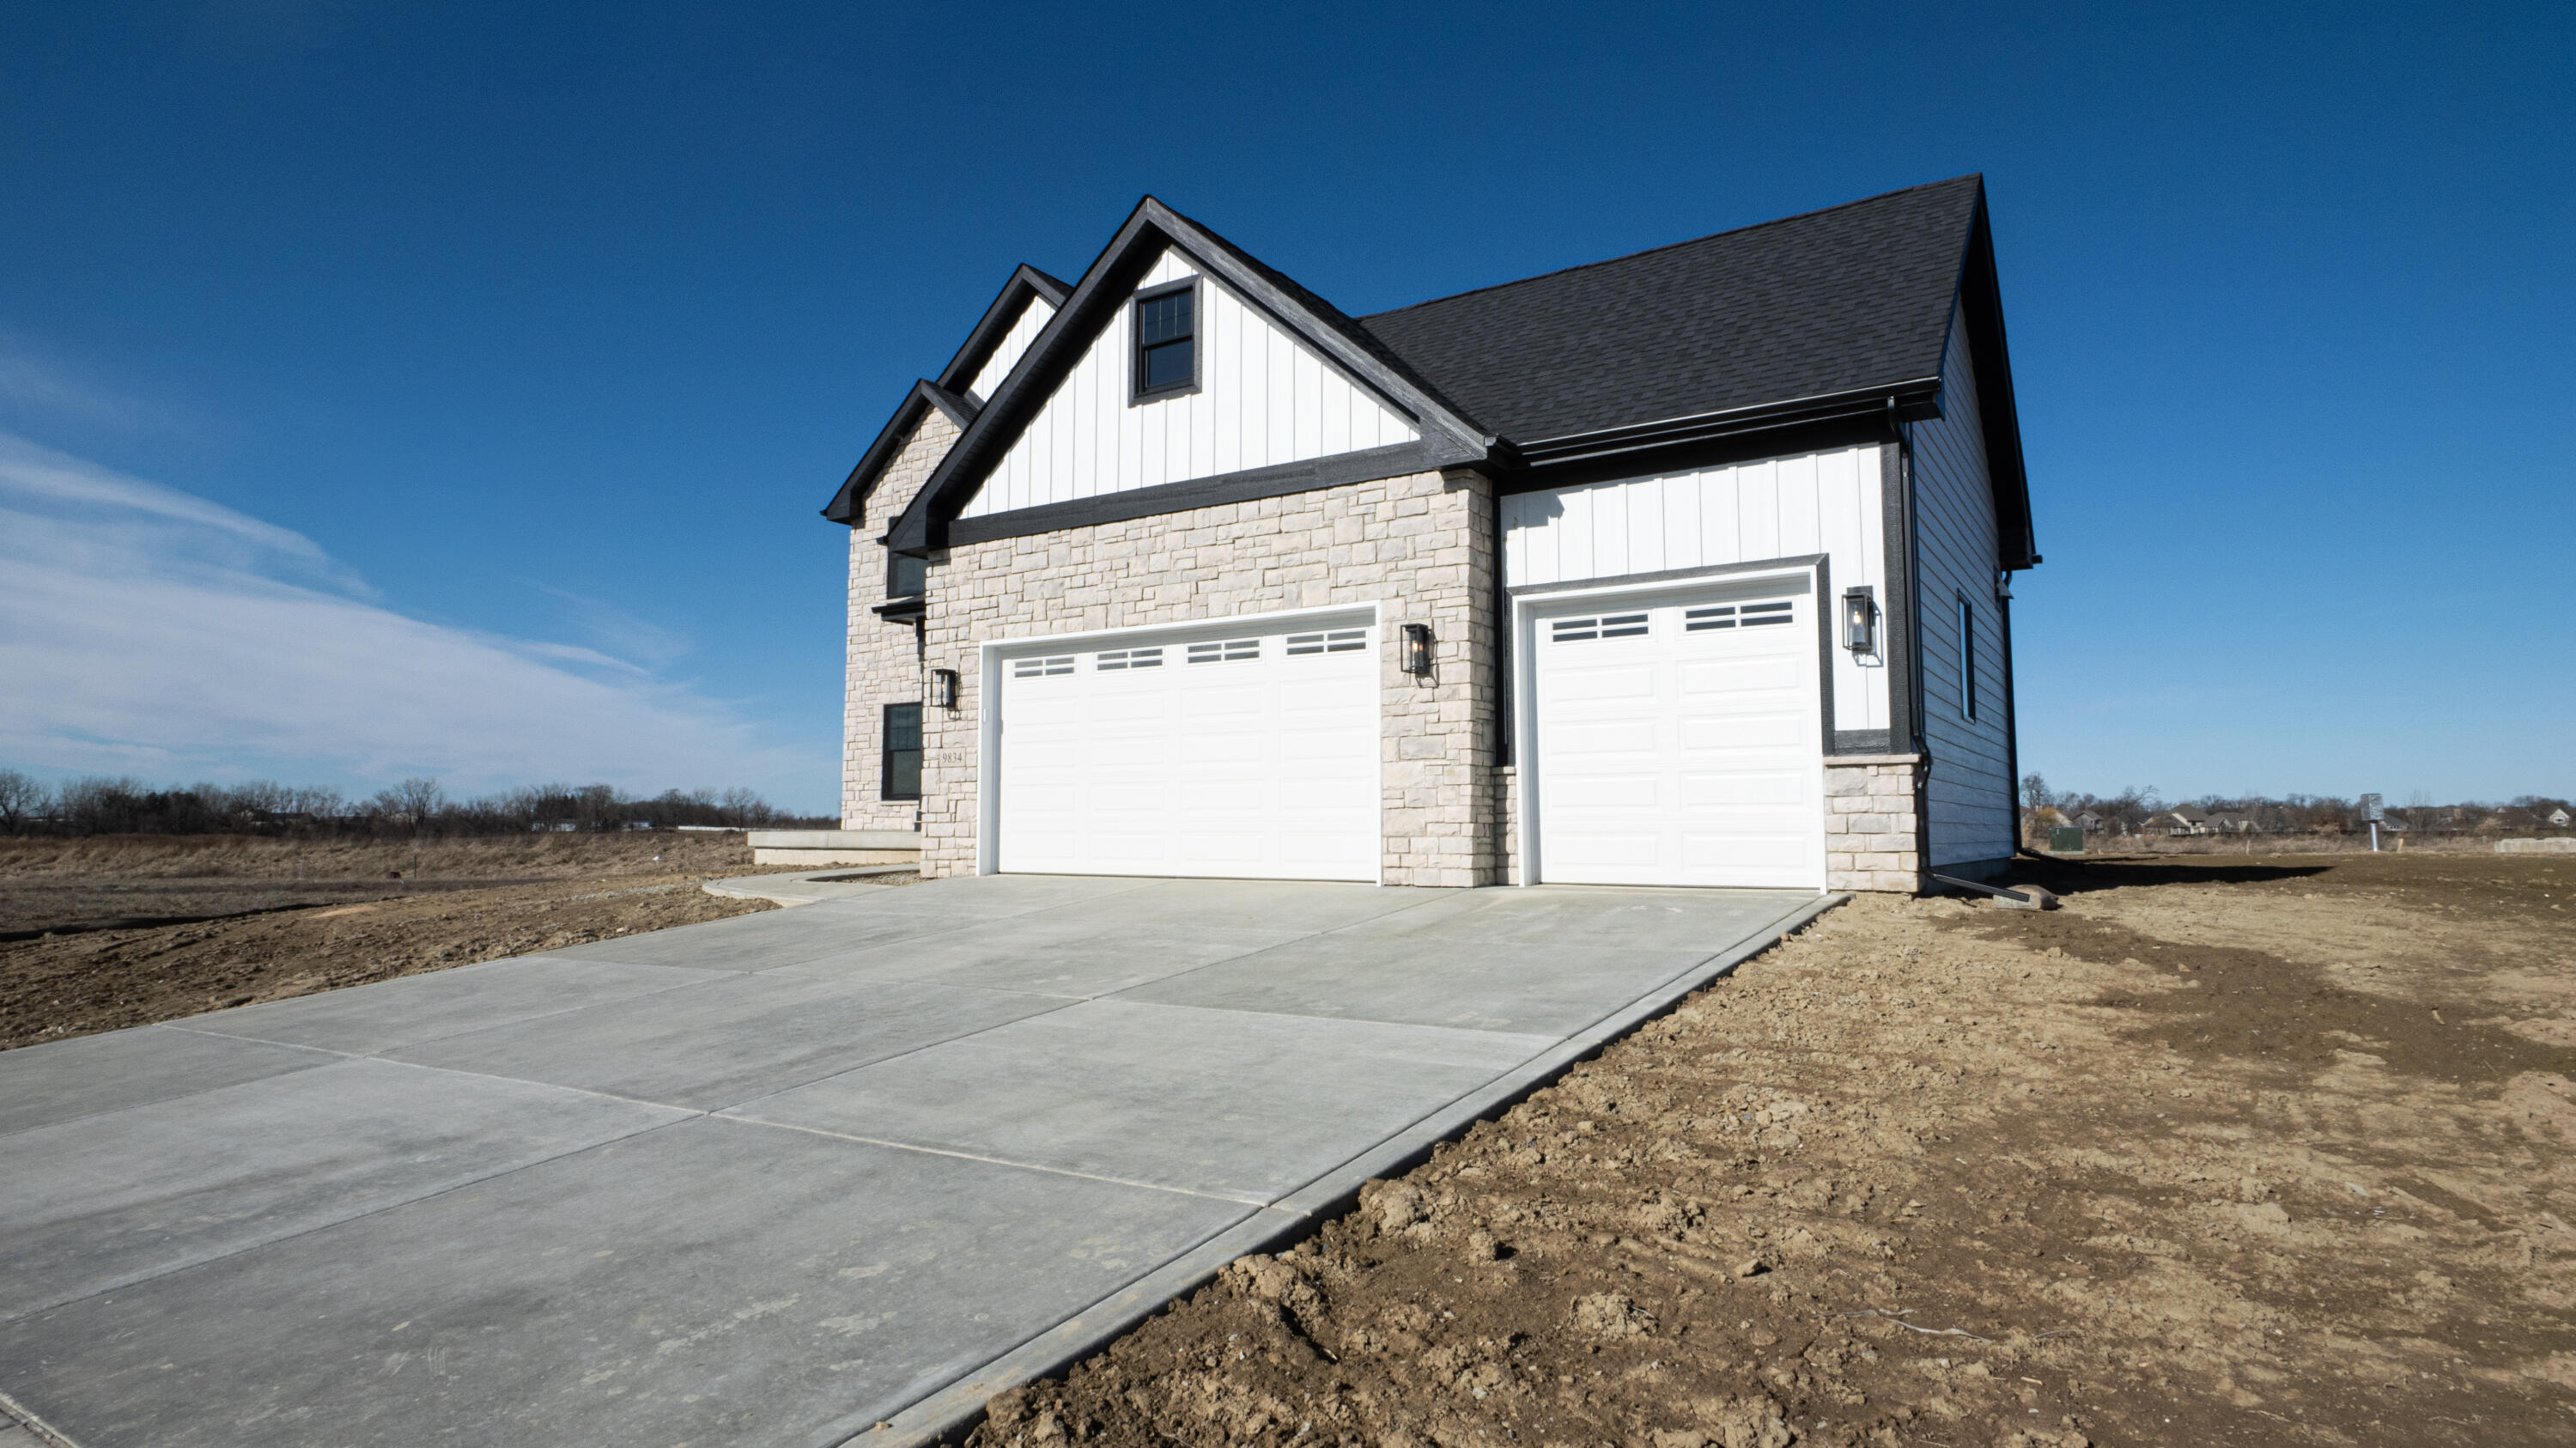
(1006,354)
(1265,397)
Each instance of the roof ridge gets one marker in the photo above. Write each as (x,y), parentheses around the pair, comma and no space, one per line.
(1673,245)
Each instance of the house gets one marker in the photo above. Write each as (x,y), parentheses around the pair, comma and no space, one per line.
(2182,819)
(2089,822)
(1688,567)
(2558,819)
(2233,822)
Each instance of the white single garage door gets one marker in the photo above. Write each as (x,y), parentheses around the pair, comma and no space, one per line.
(1679,740)
(1250,754)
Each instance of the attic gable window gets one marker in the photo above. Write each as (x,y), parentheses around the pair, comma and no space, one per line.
(1167,353)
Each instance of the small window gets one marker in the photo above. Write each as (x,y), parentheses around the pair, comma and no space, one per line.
(1226,652)
(1167,355)
(1605,626)
(1757,614)
(906,576)
(1340,641)
(900,776)
(1117,659)
(1041,668)
(1967,659)
(1699,620)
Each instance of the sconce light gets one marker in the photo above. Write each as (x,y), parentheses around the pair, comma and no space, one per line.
(1860,620)
(943,688)
(1415,657)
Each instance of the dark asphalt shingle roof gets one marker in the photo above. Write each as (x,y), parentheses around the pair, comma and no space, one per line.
(1852,297)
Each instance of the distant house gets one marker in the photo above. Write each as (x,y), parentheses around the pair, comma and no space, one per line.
(2558,819)
(2229,822)
(2182,819)
(2089,821)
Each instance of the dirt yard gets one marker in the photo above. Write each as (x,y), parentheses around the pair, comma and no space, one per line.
(2229,1150)
(104,933)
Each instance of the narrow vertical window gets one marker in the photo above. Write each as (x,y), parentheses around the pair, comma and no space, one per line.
(901,775)
(1167,353)
(1967,660)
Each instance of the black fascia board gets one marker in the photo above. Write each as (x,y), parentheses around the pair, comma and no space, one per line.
(1105,286)
(1981,312)
(925,394)
(1914,400)
(1789,437)
(1026,282)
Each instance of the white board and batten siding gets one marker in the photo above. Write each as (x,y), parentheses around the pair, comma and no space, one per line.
(1024,329)
(1263,398)
(1969,810)
(1826,502)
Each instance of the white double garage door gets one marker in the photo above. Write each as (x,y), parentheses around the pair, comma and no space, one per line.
(1675,737)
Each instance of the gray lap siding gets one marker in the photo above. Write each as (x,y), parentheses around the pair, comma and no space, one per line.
(1968,796)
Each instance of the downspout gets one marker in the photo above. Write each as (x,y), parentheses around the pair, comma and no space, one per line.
(1921,740)
(2012,705)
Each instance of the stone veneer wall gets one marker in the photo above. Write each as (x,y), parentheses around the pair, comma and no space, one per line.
(884,658)
(1873,822)
(1421,546)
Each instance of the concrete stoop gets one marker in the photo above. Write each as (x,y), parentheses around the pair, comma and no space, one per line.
(835,847)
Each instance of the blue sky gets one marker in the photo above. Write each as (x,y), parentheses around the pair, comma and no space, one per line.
(452,389)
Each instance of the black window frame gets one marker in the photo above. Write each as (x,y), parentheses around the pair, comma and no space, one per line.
(894,575)
(1967,659)
(1137,391)
(887,753)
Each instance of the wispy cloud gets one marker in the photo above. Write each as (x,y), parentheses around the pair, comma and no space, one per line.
(31,381)
(146,629)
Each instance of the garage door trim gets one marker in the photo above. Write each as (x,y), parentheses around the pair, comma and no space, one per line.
(1531,603)
(995,656)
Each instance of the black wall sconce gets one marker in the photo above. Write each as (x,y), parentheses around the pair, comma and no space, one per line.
(1860,620)
(1414,657)
(943,688)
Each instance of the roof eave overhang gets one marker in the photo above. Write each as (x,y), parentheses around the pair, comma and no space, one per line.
(1454,439)
(1913,400)
(1026,282)
(925,394)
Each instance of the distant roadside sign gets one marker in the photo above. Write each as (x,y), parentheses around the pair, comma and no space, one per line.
(2371,811)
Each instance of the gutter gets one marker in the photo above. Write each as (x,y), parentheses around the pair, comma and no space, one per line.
(1910,401)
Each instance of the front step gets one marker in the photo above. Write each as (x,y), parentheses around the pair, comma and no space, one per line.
(818,848)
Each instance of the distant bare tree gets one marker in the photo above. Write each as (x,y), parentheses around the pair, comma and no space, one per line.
(22,800)
(416,800)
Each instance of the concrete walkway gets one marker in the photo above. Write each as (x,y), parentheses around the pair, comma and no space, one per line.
(775,1179)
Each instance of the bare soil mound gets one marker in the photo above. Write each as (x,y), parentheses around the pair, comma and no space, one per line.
(100,934)
(2252,1150)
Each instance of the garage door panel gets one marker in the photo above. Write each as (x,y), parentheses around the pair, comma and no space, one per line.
(1599,685)
(1597,793)
(1262,764)
(1743,733)
(1743,789)
(1578,850)
(1690,756)
(1733,677)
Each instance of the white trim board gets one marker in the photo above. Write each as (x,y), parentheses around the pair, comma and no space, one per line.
(995,654)
(1809,572)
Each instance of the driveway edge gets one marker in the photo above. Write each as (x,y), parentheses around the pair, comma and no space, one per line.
(950,1413)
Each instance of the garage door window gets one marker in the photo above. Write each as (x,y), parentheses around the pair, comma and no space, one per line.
(1227,651)
(1116,659)
(1602,626)
(1730,615)
(1339,641)
(1041,668)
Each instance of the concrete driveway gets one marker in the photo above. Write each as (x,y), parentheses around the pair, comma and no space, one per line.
(770,1180)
